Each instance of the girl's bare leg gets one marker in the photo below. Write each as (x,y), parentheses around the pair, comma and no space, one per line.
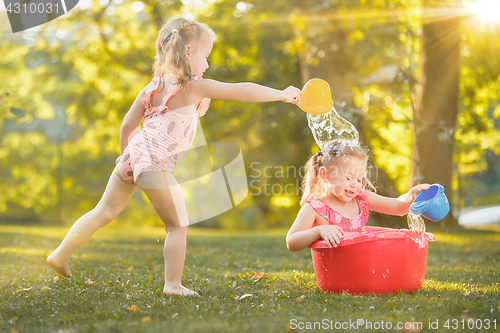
(114,199)
(165,195)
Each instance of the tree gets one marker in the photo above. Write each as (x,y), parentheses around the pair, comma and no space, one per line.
(437,105)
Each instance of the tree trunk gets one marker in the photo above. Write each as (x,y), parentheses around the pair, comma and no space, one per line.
(437,100)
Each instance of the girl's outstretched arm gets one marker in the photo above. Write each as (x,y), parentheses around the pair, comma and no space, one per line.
(131,121)
(394,206)
(302,234)
(244,92)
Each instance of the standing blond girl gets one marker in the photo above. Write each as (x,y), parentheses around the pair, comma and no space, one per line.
(334,198)
(170,106)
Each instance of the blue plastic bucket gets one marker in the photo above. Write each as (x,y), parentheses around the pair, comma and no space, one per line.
(431,203)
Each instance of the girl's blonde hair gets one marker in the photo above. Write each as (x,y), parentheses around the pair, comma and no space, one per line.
(331,155)
(171,48)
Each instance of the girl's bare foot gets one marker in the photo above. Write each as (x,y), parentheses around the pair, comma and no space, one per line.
(179,290)
(60,267)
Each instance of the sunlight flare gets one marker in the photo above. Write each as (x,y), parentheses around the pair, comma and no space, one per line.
(485,12)
(488,10)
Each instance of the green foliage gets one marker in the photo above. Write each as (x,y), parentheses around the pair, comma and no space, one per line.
(75,78)
(91,67)
(478,128)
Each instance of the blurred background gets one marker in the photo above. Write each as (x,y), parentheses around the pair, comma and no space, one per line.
(419,79)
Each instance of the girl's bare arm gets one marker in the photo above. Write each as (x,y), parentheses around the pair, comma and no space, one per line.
(394,206)
(244,92)
(131,121)
(302,233)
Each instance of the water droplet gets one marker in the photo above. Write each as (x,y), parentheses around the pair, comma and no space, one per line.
(415,222)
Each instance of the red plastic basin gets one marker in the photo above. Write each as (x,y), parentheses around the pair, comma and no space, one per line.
(372,260)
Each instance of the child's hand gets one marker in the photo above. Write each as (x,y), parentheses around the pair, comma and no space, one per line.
(291,95)
(412,194)
(331,234)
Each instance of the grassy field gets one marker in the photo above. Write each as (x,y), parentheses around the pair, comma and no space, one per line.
(118,276)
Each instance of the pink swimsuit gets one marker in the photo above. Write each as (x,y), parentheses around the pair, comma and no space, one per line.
(164,138)
(335,218)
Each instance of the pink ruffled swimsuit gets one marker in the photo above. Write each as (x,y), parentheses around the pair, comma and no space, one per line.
(164,138)
(335,218)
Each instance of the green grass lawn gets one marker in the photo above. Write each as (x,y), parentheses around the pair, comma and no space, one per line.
(118,279)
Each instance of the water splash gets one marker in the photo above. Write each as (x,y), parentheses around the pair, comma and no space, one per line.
(331,126)
(415,222)
(419,204)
